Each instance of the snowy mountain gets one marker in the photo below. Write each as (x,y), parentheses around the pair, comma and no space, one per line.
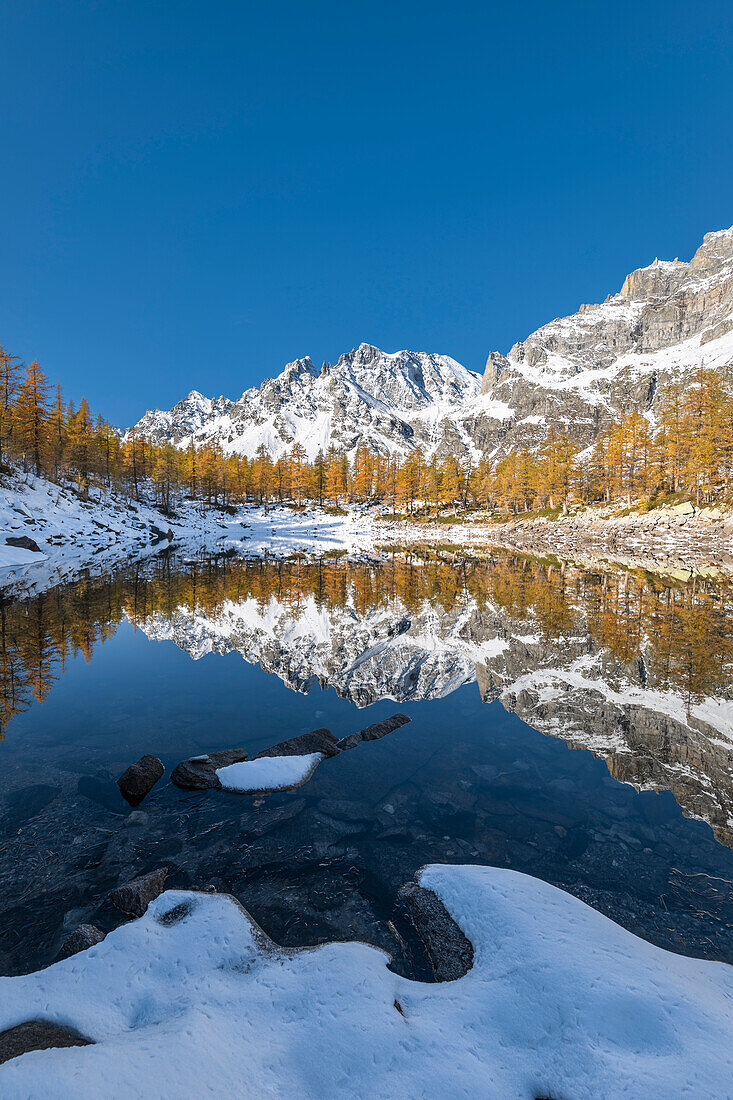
(608,360)
(582,371)
(392,402)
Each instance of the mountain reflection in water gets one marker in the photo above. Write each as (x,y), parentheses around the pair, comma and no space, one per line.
(634,667)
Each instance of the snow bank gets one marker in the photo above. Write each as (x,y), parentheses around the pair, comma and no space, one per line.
(193,998)
(269,773)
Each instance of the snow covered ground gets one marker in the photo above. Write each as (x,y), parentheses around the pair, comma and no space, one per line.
(193,999)
(108,529)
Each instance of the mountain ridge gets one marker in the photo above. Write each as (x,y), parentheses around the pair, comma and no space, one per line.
(582,371)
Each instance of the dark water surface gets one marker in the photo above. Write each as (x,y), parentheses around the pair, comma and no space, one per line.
(624,676)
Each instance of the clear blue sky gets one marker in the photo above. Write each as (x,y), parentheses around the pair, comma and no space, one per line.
(194,193)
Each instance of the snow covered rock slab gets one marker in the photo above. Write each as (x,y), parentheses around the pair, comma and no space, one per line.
(269,773)
(560,1002)
(199,772)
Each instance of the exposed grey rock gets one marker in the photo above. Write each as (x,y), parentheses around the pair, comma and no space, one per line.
(23,542)
(86,935)
(320,740)
(38,1035)
(134,897)
(199,772)
(373,732)
(449,951)
(138,780)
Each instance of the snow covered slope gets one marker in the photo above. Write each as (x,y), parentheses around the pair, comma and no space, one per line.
(95,533)
(391,402)
(193,998)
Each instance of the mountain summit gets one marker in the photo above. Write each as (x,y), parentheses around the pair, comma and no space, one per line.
(391,402)
(581,371)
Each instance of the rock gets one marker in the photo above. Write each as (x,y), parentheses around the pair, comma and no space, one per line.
(373,732)
(38,1035)
(199,772)
(134,897)
(86,935)
(23,542)
(140,778)
(399,628)
(449,951)
(321,740)
(137,817)
(686,509)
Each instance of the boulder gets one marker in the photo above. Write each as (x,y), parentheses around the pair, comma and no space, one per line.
(86,935)
(140,778)
(373,732)
(134,897)
(23,542)
(449,951)
(38,1035)
(321,740)
(198,773)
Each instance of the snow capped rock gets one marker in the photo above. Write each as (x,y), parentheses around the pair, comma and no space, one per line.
(390,402)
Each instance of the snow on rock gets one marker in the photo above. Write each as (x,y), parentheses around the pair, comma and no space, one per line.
(194,998)
(269,773)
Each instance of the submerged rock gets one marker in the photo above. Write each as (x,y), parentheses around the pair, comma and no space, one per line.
(198,773)
(134,897)
(139,779)
(86,935)
(38,1035)
(23,542)
(373,732)
(449,951)
(320,740)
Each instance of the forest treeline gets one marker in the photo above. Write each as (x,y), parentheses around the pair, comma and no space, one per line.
(685,633)
(688,447)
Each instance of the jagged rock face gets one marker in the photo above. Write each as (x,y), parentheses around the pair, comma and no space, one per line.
(392,403)
(611,359)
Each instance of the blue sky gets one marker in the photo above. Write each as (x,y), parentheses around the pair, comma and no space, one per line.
(194,193)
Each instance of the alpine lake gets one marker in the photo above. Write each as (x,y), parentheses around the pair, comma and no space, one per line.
(570,721)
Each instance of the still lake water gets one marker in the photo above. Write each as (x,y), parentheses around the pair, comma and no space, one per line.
(542,699)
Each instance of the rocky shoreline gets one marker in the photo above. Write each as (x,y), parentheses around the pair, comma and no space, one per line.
(683,539)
